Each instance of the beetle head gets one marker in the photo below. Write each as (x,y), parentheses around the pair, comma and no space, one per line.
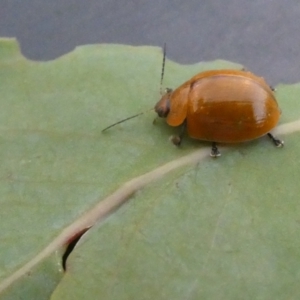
(162,107)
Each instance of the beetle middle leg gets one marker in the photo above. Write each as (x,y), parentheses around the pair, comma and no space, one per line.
(278,143)
(214,150)
(177,139)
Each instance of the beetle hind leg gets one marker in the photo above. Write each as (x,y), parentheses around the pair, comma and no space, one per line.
(278,143)
(214,151)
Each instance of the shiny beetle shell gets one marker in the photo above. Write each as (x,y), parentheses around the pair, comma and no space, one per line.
(228,106)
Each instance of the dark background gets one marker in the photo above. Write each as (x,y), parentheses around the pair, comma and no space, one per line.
(262,35)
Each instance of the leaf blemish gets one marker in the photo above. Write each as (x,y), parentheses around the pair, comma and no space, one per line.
(70,245)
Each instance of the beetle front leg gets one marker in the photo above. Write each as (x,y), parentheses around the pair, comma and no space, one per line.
(214,150)
(278,143)
(177,139)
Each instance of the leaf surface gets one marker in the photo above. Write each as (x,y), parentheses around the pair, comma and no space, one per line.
(193,228)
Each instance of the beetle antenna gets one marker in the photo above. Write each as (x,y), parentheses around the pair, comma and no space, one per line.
(161,92)
(112,125)
(163,68)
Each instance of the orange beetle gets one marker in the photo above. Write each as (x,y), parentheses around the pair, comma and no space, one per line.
(221,106)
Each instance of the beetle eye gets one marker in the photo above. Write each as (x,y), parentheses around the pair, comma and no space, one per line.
(162,108)
(162,111)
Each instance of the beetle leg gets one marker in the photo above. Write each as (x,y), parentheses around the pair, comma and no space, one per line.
(177,139)
(214,150)
(277,143)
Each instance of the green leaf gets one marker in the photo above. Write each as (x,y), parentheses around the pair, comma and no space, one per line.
(193,228)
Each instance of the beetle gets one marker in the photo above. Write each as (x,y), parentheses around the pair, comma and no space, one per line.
(221,106)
